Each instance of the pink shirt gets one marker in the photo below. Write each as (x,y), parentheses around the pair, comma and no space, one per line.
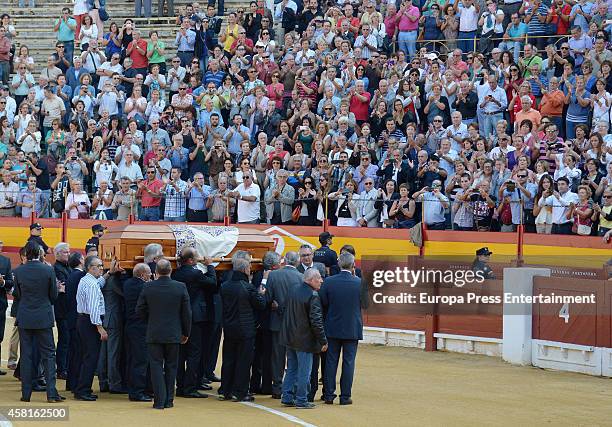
(406,24)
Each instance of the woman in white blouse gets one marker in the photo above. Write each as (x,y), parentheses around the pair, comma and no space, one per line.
(77,201)
(89,32)
(103,201)
(136,105)
(22,119)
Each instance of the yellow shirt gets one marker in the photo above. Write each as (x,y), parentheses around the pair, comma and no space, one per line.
(231,36)
(602,221)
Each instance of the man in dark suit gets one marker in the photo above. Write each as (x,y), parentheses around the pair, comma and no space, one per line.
(240,300)
(190,354)
(135,334)
(164,304)
(6,284)
(62,271)
(261,371)
(306,261)
(36,288)
(109,363)
(278,286)
(341,296)
(76,262)
(303,334)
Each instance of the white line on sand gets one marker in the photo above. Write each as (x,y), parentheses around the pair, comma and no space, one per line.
(286,416)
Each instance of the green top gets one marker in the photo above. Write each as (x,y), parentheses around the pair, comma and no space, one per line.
(156,58)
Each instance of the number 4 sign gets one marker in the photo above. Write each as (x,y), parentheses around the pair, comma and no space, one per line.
(564,312)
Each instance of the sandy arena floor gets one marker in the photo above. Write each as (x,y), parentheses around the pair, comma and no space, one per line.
(393,387)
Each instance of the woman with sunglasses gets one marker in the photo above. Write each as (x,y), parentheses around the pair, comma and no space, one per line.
(7,134)
(308,201)
(603,212)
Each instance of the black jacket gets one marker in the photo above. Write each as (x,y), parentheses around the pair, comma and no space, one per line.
(164,304)
(6,272)
(62,272)
(113,304)
(36,288)
(200,286)
(72,285)
(131,291)
(302,328)
(240,299)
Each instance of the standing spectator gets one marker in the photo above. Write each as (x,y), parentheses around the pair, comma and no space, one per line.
(36,289)
(77,202)
(124,200)
(185,43)
(9,193)
(5,52)
(240,299)
(468,12)
(279,199)
(62,272)
(149,192)
(175,190)
(65,27)
(303,334)
(562,203)
(164,303)
(248,195)
(31,199)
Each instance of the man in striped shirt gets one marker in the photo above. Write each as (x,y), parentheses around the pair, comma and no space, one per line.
(175,190)
(90,309)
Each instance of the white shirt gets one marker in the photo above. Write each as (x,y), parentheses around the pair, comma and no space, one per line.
(90,299)
(468,18)
(248,211)
(560,206)
(9,191)
(117,68)
(175,77)
(461,132)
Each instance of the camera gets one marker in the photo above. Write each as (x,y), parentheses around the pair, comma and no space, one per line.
(73,158)
(337,162)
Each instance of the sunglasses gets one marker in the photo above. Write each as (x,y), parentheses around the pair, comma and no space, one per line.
(522,176)
(176,61)
(248,177)
(307,182)
(369,183)
(265,33)
(437,121)
(150,172)
(609,196)
(182,88)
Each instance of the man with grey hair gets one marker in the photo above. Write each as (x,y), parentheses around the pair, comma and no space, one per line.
(341,298)
(278,285)
(153,252)
(306,253)
(239,299)
(62,271)
(302,333)
(279,200)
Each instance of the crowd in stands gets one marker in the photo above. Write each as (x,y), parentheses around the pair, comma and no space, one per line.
(469,115)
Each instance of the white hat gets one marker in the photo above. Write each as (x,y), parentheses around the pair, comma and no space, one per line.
(431,56)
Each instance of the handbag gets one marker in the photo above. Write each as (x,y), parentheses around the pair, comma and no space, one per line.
(584,230)
(297,212)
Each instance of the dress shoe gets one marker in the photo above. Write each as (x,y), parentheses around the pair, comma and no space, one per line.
(2,372)
(141,398)
(169,405)
(158,407)
(195,395)
(205,381)
(85,397)
(287,403)
(215,379)
(346,402)
(204,387)
(104,389)
(56,398)
(276,396)
(329,401)
(62,376)
(120,391)
(12,366)
(223,397)
(39,388)
(25,399)
(247,398)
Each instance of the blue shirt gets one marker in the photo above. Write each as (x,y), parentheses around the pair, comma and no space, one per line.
(187,42)
(179,158)
(518,30)
(580,19)
(197,198)
(233,142)
(216,78)
(433,210)
(65,34)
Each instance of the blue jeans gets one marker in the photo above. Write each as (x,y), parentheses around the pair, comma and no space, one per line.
(4,72)
(407,42)
(22,3)
(489,122)
(174,218)
(466,45)
(150,214)
(297,377)
(68,49)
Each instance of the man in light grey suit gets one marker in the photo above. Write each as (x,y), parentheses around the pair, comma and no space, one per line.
(278,285)
(367,215)
(279,199)
(109,369)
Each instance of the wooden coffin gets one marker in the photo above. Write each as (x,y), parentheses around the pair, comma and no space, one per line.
(127,243)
